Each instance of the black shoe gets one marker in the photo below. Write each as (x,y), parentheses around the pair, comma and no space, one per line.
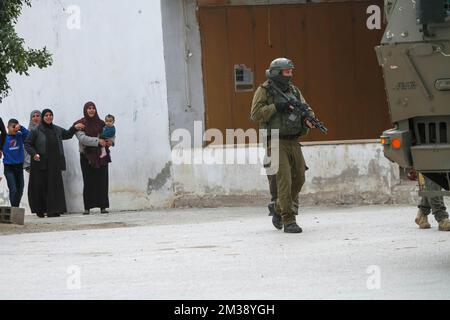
(104,211)
(292,228)
(277,222)
(41,215)
(271,207)
(54,215)
(86,212)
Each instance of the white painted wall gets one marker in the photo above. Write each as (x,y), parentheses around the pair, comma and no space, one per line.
(339,173)
(116,60)
(182,53)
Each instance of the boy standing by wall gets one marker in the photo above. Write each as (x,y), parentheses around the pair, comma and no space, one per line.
(13,157)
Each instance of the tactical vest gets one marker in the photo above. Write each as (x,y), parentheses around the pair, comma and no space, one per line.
(279,120)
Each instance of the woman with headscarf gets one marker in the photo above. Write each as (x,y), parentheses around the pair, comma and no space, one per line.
(46,188)
(35,120)
(93,167)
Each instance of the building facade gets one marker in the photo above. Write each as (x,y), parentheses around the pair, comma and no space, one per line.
(161,66)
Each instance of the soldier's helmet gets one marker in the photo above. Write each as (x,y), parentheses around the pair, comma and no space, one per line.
(277,65)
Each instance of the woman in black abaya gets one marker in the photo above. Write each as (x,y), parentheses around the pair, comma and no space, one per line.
(45,187)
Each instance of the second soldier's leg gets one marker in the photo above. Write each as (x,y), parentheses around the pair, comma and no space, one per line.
(424,206)
(424,209)
(440,213)
(438,206)
(422,214)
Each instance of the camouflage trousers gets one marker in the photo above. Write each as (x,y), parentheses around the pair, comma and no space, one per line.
(274,192)
(433,205)
(287,183)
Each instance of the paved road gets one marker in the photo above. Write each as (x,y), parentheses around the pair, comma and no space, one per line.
(373,252)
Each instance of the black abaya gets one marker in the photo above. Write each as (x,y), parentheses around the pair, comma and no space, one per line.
(46,188)
(95,181)
(3,134)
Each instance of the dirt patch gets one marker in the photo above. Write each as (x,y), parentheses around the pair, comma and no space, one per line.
(7,229)
(314,199)
(216,201)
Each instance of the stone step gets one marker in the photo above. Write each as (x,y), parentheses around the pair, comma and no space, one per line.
(12,215)
(406,193)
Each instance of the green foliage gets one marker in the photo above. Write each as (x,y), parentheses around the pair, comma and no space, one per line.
(14,57)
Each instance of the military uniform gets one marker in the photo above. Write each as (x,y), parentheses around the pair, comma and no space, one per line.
(290,176)
(433,205)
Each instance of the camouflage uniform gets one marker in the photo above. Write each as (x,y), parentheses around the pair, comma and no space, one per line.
(291,174)
(433,205)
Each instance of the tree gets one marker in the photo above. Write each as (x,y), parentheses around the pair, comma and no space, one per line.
(13,56)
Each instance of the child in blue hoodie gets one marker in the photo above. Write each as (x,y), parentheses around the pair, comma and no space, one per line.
(13,157)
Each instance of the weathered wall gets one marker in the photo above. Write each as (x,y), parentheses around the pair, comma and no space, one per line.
(182,53)
(338,174)
(261,2)
(116,60)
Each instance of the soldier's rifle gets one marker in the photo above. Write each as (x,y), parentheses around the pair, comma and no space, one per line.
(301,110)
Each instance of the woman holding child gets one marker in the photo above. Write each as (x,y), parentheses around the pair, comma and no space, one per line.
(94,163)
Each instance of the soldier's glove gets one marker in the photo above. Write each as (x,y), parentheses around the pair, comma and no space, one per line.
(283,107)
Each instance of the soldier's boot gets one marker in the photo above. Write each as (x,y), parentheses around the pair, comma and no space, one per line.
(271,207)
(292,228)
(422,220)
(444,225)
(277,221)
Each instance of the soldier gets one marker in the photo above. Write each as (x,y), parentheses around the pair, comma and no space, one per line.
(274,194)
(271,110)
(432,204)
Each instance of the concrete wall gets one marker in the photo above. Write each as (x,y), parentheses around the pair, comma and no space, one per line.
(252,2)
(121,59)
(338,174)
(182,52)
(362,174)
(265,2)
(116,60)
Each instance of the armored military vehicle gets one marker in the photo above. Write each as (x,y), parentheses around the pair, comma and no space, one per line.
(415,58)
